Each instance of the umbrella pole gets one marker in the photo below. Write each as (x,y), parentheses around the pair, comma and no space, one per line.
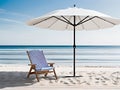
(74,46)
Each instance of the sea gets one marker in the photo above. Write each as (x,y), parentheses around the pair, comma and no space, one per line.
(86,55)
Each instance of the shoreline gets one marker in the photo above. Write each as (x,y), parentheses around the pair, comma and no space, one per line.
(60,65)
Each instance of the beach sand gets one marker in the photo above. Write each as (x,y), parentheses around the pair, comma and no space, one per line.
(13,77)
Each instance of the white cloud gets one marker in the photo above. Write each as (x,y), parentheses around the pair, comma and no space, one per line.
(8,18)
(11,20)
(3,11)
(18,14)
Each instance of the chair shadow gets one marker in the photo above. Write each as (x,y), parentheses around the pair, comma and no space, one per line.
(15,79)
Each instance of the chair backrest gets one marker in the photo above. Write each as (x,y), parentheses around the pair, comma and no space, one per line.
(37,57)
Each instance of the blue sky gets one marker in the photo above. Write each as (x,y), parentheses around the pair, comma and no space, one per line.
(15,13)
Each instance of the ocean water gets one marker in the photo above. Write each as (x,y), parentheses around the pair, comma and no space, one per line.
(85,55)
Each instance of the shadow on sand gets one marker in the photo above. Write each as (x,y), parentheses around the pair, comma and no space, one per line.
(15,79)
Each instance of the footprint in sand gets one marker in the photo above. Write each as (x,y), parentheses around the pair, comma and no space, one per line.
(115,77)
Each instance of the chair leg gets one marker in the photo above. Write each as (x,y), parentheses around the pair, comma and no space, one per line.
(37,76)
(46,74)
(29,72)
(54,73)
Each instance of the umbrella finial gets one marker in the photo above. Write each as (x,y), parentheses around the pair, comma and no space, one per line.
(74,5)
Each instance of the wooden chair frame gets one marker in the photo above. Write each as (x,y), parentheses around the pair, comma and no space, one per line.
(36,72)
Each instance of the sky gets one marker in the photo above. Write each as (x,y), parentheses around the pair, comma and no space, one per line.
(15,13)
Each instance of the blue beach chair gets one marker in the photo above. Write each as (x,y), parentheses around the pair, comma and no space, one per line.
(39,64)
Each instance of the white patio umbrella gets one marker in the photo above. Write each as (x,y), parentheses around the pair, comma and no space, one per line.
(74,19)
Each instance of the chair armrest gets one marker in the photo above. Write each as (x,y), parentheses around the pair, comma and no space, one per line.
(51,64)
(32,65)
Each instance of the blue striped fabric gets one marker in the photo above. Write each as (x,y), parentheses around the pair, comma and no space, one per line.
(37,57)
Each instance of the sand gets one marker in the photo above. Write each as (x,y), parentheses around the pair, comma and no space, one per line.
(13,77)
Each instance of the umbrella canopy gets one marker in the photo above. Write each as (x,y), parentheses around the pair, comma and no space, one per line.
(74,19)
(84,20)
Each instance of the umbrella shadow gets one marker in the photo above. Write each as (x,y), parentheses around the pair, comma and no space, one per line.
(15,79)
